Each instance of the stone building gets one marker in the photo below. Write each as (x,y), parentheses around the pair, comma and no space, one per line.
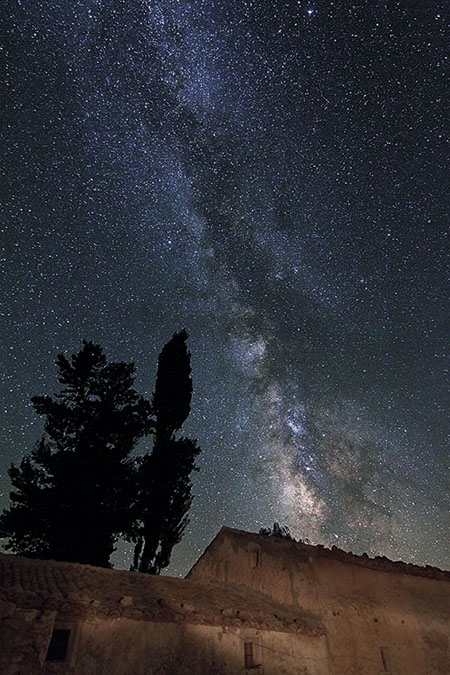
(378,616)
(251,604)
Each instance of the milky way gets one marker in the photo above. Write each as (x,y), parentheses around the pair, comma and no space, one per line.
(270,176)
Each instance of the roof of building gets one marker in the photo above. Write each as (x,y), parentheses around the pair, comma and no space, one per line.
(276,546)
(82,590)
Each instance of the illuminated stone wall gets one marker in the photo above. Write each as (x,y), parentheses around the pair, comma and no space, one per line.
(379,617)
(129,647)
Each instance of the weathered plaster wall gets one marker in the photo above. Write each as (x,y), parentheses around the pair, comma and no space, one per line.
(362,609)
(104,648)
(24,637)
(128,647)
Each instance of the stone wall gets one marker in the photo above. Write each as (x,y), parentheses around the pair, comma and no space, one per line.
(24,638)
(127,647)
(377,621)
(143,648)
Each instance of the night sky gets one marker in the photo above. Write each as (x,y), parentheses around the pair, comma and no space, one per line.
(273,177)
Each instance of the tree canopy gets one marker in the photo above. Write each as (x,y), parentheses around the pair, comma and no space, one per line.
(164,485)
(81,488)
(70,498)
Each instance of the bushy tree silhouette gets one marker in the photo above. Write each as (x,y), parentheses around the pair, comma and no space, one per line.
(278,531)
(72,496)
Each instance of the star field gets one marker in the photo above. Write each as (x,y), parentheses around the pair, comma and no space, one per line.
(271,177)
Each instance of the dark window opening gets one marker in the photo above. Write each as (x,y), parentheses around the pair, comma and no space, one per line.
(57,650)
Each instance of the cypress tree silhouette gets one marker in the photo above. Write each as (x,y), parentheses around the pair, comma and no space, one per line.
(164,485)
(72,496)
